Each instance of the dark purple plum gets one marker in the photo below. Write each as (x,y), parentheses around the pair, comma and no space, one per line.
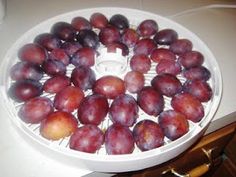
(88,138)
(167,84)
(35,110)
(150,101)
(48,41)
(148,135)
(84,57)
(26,70)
(24,90)
(147,28)
(32,53)
(64,31)
(197,73)
(174,124)
(191,59)
(119,140)
(165,37)
(181,46)
(200,89)
(124,110)
(83,77)
(119,21)
(71,47)
(54,67)
(88,38)
(93,109)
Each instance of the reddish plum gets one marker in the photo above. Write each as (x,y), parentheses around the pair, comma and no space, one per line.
(119,140)
(54,67)
(64,31)
(150,101)
(148,135)
(110,86)
(174,124)
(168,66)
(98,20)
(58,125)
(197,73)
(48,41)
(83,77)
(141,63)
(81,23)
(124,110)
(109,34)
(144,46)
(88,138)
(84,57)
(32,53)
(147,28)
(161,53)
(191,59)
(60,55)
(134,81)
(129,37)
(71,47)
(93,109)
(180,46)
(35,110)
(68,99)
(188,105)
(167,84)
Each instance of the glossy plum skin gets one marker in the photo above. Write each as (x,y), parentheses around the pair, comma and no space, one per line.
(48,41)
(98,20)
(88,138)
(173,124)
(191,59)
(119,140)
(167,84)
(109,86)
(141,63)
(35,110)
(144,46)
(162,53)
(200,89)
(93,109)
(166,37)
(84,57)
(68,99)
(83,77)
(26,70)
(109,34)
(148,135)
(188,105)
(71,47)
(60,55)
(54,67)
(168,66)
(124,110)
(81,23)
(88,38)
(64,31)
(129,37)
(58,125)
(32,53)
(119,21)
(181,46)
(197,73)
(150,101)
(147,28)
(24,90)
(56,83)
(134,81)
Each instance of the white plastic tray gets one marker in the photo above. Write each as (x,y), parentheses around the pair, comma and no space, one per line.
(100,161)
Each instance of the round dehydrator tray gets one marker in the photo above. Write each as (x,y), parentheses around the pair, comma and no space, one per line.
(100,161)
